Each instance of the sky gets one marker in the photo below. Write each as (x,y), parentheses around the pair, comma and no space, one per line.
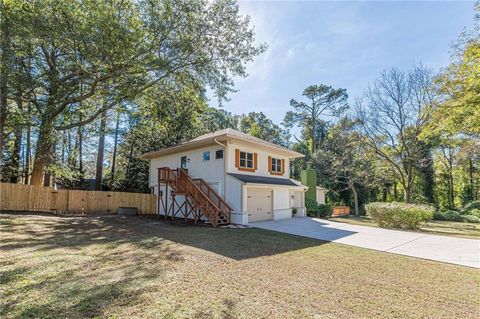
(342,44)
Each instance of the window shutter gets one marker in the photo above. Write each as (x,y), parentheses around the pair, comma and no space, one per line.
(283,166)
(269,164)
(237,158)
(255,161)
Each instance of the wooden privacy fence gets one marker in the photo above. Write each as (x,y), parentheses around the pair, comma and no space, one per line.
(341,210)
(20,197)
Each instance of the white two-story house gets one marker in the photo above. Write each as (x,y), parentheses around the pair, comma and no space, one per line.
(251,175)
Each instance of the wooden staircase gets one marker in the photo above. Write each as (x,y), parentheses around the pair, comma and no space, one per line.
(201,200)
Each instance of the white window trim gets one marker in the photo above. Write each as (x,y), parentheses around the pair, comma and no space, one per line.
(246,161)
(278,165)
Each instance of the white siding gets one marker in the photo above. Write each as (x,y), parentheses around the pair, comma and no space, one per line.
(281,203)
(211,171)
(262,159)
(234,193)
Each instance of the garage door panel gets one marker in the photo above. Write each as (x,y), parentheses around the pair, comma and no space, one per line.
(259,204)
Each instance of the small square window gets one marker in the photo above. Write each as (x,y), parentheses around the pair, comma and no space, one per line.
(219,154)
(206,156)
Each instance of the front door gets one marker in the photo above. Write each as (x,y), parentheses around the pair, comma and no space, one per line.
(259,204)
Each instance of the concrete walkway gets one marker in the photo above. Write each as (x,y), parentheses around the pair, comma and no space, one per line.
(465,252)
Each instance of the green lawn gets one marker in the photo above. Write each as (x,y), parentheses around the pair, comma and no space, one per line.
(125,267)
(434,227)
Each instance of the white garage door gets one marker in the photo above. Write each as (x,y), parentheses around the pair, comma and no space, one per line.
(259,204)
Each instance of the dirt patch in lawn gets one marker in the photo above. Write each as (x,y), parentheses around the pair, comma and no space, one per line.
(114,266)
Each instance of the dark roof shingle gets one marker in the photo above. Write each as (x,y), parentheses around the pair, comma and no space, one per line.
(254,179)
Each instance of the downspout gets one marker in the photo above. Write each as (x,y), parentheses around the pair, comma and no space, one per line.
(225,154)
(215,140)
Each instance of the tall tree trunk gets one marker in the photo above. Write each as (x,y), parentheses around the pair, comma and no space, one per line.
(17,147)
(114,158)
(4,67)
(408,185)
(385,193)
(351,185)
(80,150)
(64,144)
(100,152)
(471,170)
(428,174)
(28,152)
(451,195)
(395,192)
(44,151)
(127,173)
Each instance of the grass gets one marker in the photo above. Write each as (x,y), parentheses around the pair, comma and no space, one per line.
(434,227)
(124,267)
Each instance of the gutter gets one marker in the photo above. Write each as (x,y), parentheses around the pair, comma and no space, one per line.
(215,140)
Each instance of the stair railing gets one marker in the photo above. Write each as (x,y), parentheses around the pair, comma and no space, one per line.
(203,195)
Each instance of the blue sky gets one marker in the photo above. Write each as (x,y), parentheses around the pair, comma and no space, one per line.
(342,44)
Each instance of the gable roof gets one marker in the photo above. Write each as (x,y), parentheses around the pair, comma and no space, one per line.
(219,136)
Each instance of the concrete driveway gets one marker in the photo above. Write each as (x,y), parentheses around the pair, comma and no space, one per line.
(465,252)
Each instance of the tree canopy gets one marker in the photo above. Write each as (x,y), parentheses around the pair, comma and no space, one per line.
(70,53)
(323,101)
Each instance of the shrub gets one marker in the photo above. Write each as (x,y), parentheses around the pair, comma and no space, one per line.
(311,207)
(294,211)
(324,210)
(453,216)
(470,206)
(316,210)
(471,219)
(474,212)
(399,215)
(449,215)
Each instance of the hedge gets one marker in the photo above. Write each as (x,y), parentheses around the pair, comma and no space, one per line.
(454,216)
(399,215)
(449,215)
(318,210)
(470,206)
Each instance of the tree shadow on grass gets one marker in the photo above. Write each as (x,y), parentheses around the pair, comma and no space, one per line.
(152,233)
(87,265)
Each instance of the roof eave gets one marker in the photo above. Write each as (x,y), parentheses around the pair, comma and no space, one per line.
(285,150)
(189,145)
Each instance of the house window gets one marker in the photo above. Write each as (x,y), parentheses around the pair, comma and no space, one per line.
(276,165)
(246,160)
(183,162)
(206,156)
(219,154)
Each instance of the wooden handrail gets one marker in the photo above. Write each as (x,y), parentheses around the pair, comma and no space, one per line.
(211,191)
(173,176)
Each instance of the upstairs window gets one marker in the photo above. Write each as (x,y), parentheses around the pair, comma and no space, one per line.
(276,165)
(206,156)
(246,160)
(219,154)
